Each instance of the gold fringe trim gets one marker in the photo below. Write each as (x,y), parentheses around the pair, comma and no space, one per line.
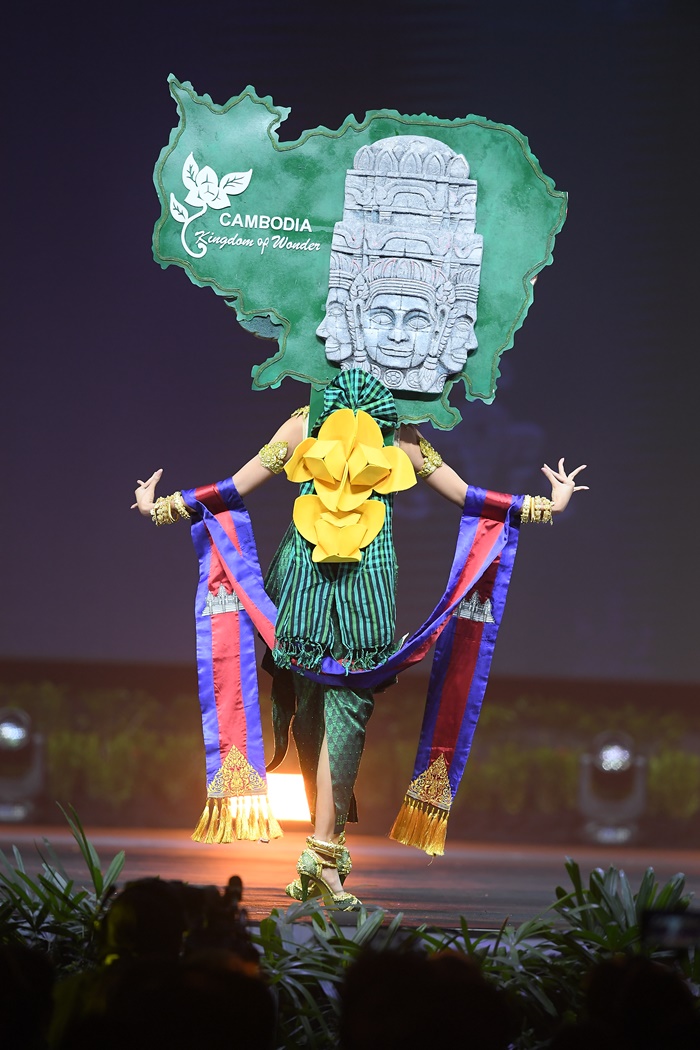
(421,825)
(239,817)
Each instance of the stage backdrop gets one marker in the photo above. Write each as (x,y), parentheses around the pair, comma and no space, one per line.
(117,367)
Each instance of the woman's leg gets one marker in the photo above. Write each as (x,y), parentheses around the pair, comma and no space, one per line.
(332,721)
(329,732)
(325,816)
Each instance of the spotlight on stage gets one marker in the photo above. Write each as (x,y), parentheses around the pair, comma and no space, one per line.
(21,765)
(612,789)
(287,796)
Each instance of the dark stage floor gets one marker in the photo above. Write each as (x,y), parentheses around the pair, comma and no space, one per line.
(485,883)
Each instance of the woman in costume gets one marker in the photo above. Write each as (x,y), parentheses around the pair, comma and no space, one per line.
(335,596)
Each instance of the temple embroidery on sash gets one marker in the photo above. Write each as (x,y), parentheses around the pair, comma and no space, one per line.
(236,777)
(472,608)
(222,602)
(433,786)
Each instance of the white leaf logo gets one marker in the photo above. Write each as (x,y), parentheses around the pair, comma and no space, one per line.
(190,171)
(207,185)
(235,182)
(178,212)
(205,191)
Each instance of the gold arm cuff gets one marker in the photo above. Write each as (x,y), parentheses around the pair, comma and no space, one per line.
(273,456)
(431,459)
(303,412)
(537,509)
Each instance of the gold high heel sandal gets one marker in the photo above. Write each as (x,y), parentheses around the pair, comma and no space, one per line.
(343,865)
(311,883)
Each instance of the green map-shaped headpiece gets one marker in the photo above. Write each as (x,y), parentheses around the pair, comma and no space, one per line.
(254,219)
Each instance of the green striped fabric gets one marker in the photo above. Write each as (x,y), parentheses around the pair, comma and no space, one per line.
(346,609)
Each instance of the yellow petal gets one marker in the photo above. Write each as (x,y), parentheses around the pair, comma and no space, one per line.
(295,468)
(316,460)
(335,460)
(350,497)
(341,520)
(306,513)
(368,431)
(329,492)
(342,543)
(402,475)
(341,426)
(373,516)
(367,465)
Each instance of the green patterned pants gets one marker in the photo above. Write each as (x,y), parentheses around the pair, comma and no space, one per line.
(312,709)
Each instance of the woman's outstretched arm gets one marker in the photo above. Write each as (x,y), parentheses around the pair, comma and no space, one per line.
(449,484)
(250,476)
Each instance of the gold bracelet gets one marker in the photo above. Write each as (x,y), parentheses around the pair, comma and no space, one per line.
(431,459)
(546,506)
(273,456)
(537,509)
(178,503)
(168,515)
(168,509)
(161,513)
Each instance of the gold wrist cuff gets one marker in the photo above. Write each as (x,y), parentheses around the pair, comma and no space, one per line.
(273,456)
(537,509)
(431,459)
(168,509)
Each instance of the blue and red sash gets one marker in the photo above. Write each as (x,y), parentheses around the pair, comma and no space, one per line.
(463,624)
(237,805)
(460,670)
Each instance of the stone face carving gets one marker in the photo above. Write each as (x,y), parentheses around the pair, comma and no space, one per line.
(335,327)
(405,265)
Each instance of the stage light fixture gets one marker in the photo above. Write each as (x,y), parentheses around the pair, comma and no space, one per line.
(613,758)
(21,765)
(612,789)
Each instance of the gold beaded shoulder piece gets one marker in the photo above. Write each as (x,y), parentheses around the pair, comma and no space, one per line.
(537,509)
(303,412)
(273,456)
(431,459)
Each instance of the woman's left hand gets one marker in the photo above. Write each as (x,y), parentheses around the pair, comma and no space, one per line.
(563,485)
(145,494)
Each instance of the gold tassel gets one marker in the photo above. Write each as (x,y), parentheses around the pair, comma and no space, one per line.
(266,826)
(421,825)
(225,821)
(211,835)
(200,832)
(240,827)
(238,817)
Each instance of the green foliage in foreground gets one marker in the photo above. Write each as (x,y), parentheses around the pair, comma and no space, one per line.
(304,953)
(48,911)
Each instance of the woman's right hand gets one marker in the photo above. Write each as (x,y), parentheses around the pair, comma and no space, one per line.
(145,494)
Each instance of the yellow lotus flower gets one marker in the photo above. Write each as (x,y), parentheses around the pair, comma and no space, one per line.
(346,462)
(337,536)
